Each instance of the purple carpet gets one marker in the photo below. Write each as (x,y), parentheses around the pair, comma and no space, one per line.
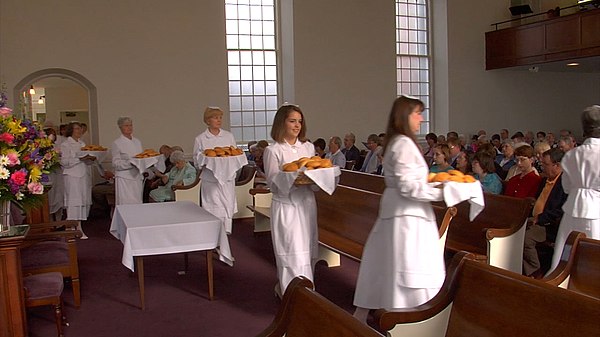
(178,305)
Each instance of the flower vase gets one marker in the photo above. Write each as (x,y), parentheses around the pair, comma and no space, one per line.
(4,216)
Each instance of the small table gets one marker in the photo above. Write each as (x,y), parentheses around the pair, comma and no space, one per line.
(164,228)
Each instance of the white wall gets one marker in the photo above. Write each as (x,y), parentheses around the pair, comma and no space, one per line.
(162,63)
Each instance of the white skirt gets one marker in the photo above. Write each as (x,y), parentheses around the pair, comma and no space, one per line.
(402,265)
(77,197)
(128,191)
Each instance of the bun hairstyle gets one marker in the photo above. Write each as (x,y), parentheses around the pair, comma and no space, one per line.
(211,112)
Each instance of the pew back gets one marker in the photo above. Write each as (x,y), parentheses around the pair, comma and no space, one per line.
(362,181)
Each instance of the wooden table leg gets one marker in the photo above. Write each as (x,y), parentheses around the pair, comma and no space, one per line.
(209,267)
(139,261)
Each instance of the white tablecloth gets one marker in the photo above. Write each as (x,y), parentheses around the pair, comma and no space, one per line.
(223,168)
(142,164)
(100,155)
(164,228)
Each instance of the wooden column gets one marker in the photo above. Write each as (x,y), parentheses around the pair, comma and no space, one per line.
(12,304)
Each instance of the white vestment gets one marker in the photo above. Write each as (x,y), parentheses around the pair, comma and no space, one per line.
(128,180)
(77,180)
(293,216)
(218,197)
(581,181)
(402,263)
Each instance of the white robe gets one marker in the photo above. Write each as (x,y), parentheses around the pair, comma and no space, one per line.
(77,180)
(293,216)
(128,180)
(402,263)
(581,181)
(217,197)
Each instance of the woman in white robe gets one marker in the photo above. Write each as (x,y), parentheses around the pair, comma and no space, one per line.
(129,185)
(581,181)
(77,176)
(402,263)
(293,212)
(218,197)
(56,195)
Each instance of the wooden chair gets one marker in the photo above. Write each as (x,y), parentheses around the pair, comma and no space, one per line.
(579,266)
(305,313)
(443,217)
(46,289)
(242,187)
(189,192)
(52,247)
(478,300)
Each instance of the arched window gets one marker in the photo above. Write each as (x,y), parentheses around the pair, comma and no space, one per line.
(252,67)
(413,53)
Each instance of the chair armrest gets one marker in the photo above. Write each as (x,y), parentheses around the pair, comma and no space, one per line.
(190,186)
(255,191)
(567,259)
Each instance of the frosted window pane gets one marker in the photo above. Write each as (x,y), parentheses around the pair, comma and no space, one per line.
(246,73)
(272,103)
(259,88)
(269,42)
(255,2)
(248,133)
(270,58)
(271,73)
(270,117)
(255,13)
(405,76)
(247,118)
(268,13)
(258,57)
(244,27)
(237,133)
(259,73)
(234,73)
(246,57)
(246,88)
(260,103)
(243,12)
(269,27)
(414,76)
(260,118)
(236,118)
(232,42)
(257,42)
(412,23)
(412,10)
(403,36)
(271,88)
(234,88)
(406,88)
(405,62)
(402,9)
(261,132)
(412,49)
(421,23)
(235,103)
(244,42)
(415,89)
(412,36)
(424,76)
(403,48)
(231,11)
(424,88)
(247,103)
(421,37)
(256,27)
(421,11)
(231,27)
(233,57)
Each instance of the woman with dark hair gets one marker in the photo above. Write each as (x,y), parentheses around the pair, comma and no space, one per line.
(77,176)
(402,263)
(526,183)
(484,169)
(293,210)
(581,181)
(431,140)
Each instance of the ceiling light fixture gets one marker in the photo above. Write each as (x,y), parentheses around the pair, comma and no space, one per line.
(572,64)
(42,99)
(31,90)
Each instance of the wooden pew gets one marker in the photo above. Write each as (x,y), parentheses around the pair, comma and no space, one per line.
(261,207)
(481,300)
(362,181)
(305,313)
(496,235)
(579,266)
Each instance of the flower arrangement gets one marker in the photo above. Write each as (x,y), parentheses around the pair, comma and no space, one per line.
(27,156)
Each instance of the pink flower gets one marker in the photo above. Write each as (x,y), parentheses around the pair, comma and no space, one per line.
(18,178)
(7,138)
(5,111)
(13,158)
(35,188)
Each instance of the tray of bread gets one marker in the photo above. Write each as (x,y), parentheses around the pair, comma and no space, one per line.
(451,175)
(148,153)
(305,163)
(223,151)
(93,148)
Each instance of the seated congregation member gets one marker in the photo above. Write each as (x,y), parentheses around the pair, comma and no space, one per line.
(428,153)
(515,169)
(350,150)
(463,162)
(155,181)
(181,174)
(454,149)
(218,197)
(371,162)
(335,154)
(402,263)
(484,169)
(77,176)
(526,183)
(320,147)
(581,181)
(497,143)
(129,186)
(540,136)
(539,149)
(507,159)
(441,159)
(551,140)
(547,212)
(566,143)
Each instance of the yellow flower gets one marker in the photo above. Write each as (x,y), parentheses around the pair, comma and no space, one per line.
(35,174)
(15,127)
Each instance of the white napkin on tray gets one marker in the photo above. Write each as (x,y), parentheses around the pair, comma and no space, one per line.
(455,193)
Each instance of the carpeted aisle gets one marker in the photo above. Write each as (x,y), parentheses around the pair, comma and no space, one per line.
(178,305)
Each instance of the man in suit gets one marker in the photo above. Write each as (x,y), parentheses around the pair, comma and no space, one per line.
(547,212)
(350,150)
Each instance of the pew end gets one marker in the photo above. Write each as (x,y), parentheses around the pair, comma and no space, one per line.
(261,207)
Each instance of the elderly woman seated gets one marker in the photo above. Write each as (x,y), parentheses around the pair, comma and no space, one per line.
(182,173)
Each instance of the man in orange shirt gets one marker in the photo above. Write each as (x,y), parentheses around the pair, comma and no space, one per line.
(547,212)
